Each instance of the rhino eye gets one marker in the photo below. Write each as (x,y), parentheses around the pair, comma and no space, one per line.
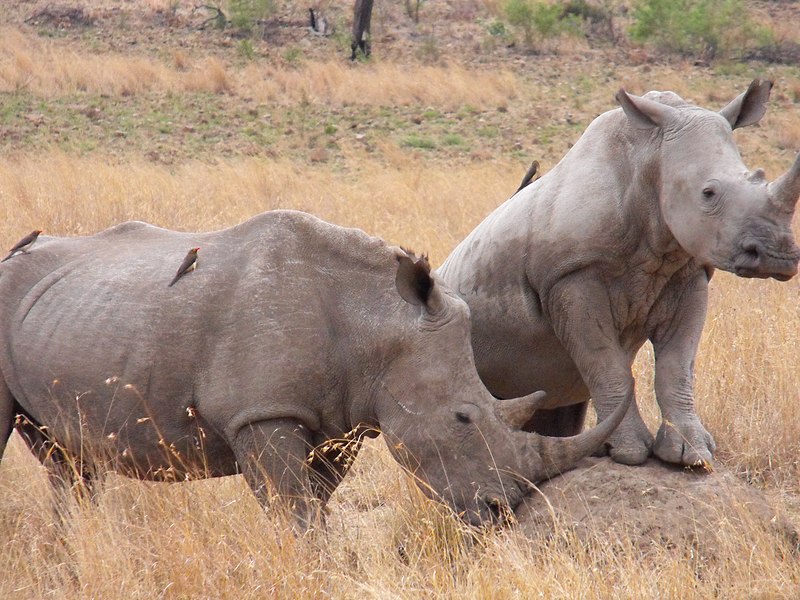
(708,192)
(463,417)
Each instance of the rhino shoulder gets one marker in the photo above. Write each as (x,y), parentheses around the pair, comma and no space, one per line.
(136,228)
(311,234)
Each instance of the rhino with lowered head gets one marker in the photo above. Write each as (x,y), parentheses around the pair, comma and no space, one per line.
(615,246)
(291,340)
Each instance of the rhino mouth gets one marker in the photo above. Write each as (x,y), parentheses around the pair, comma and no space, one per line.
(489,511)
(492,508)
(755,260)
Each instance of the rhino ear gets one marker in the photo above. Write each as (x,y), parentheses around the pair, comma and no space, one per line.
(644,113)
(413,280)
(748,108)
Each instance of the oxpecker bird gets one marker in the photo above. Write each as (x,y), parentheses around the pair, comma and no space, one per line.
(189,264)
(530,176)
(24,244)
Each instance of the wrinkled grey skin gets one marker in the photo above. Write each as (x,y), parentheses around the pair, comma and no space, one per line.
(290,334)
(615,246)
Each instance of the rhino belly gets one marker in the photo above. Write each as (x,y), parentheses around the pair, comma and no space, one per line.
(129,434)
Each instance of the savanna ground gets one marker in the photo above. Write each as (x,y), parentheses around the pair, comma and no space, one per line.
(127,110)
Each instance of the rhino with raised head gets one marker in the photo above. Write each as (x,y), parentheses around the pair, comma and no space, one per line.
(615,246)
(291,340)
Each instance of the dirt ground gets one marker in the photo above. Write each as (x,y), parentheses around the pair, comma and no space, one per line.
(653,504)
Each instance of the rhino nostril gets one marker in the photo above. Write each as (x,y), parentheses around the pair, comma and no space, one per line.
(751,249)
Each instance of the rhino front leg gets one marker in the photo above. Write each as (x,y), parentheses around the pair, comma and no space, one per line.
(272,457)
(681,439)
(582,319)
(329,463)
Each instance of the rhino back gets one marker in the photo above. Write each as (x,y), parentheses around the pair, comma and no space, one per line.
(570,218)
(95,324)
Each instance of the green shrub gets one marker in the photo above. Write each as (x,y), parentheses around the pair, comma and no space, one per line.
(246,49)
(539,21)
(417,141)
(293,56)
(244,14)
(452,139)
(692,27)
(496,28)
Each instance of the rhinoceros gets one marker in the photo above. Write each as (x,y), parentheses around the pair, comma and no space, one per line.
(615,246)
(291,340)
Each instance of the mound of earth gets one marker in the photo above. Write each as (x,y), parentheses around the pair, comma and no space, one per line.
(652,504)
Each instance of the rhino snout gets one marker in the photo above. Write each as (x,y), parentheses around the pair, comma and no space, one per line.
(757,260)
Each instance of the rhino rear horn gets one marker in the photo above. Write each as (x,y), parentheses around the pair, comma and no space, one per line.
(748,108)
(515,412)
(559,454)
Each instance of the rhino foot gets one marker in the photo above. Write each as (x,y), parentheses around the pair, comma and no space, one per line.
(629,445)
(687,443)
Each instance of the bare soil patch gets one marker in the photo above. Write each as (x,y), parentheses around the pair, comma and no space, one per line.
(654,505)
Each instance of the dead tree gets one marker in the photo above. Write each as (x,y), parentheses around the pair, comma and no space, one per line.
(362,15)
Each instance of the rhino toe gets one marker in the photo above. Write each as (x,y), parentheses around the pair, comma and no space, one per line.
(631,443)
(627,450)
(634,454)
(687,444)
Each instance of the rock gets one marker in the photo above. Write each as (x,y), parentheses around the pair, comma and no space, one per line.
(652,504)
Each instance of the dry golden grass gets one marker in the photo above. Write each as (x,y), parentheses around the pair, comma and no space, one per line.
(210,539)
(429,209)
(47,69)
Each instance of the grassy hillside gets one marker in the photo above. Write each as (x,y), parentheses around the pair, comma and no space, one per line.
(124,110)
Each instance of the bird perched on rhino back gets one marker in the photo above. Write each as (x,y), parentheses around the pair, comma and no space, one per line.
(531,175)
(189,264)
(24,244)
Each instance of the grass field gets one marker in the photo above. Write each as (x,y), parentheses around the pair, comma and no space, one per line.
(180,129)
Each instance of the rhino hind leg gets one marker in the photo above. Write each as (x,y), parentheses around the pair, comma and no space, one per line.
(272,456)
(563,421)
(67,473)
(6,416)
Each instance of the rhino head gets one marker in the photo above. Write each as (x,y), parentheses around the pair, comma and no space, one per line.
(718,211)
(464,446)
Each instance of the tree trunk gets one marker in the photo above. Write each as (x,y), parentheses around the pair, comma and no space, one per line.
(362,15)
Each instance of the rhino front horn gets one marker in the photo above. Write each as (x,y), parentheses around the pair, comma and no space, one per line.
(785,190)
(554,455)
